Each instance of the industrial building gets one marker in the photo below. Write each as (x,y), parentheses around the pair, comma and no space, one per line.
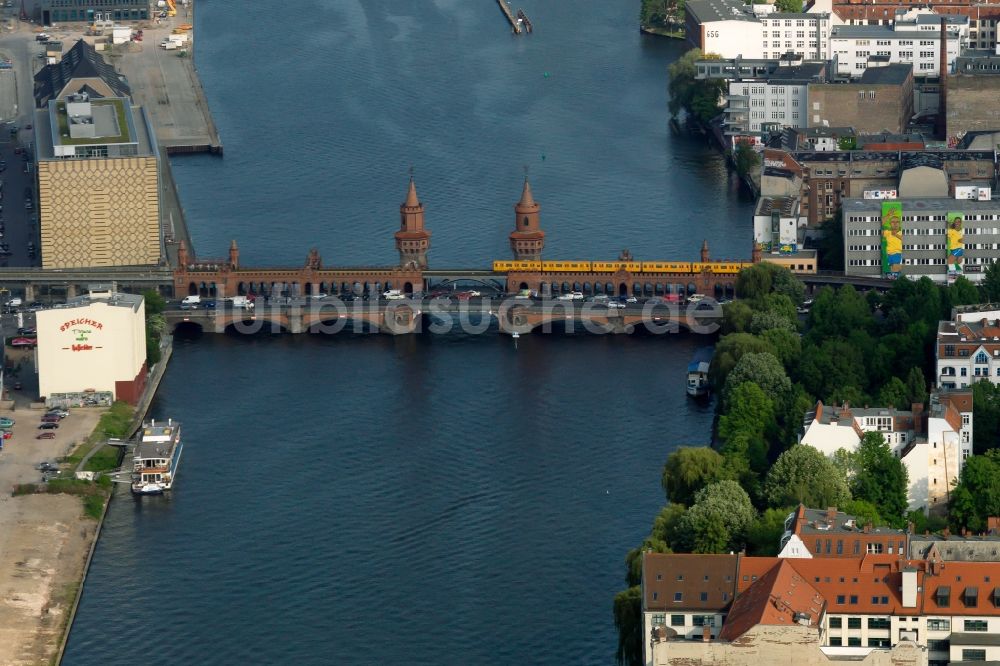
(94,349)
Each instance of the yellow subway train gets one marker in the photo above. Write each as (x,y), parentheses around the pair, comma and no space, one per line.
(647,267)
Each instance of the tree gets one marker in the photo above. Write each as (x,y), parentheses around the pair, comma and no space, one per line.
(730,350)
(786,345)
(804,475)
(977,495)
(754,282)
(830,244)
(743,428)
(986,407)
(633,561)
(770,319)
(864,512)
(764,535)
(745,158)
(991,282)
(698,97)
(628,622)
(720,517)
(155,303)
(916,386)
(762,369)
(881,478)
(667,528)
(788,6)
(736,317)
(688,470)
(963,292)
(828,369)
(894,394)
(844,142)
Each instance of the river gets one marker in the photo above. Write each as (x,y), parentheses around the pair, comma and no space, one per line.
(429,499)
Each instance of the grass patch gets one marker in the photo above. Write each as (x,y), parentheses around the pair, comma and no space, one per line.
(116,421)
(93,506)
(105,460)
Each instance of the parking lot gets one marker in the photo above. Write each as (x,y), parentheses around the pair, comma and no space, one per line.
(19,237)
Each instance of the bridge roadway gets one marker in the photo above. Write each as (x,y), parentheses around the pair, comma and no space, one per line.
(441,315)
(138,278)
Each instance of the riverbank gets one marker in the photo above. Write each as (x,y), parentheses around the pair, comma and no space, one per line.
(47,540)
(662,32)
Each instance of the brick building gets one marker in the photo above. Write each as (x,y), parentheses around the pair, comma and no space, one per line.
(880,101)
(968,347)
(973,91)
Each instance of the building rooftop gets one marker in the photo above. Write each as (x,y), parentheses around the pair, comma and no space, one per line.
(786,206)
(116,299)
(807,521)
(805,72)
(921,156)
(82,126)
(913,206)
(780,597)
(674,581)
(82,61)
(978,63)
(892,74)
(707,11)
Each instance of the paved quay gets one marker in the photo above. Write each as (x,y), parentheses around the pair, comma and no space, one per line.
(166,83)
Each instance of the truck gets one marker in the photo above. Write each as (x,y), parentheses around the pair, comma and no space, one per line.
(179,38)
(190,302)
(241,302)
(169,45)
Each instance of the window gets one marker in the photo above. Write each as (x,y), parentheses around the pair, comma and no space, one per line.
(857,547)
(982,357)
(976,625)
(854,602)
(938,624)
(879,642)
(659,620)
(676,620)
(678,596)
(836,641)
(680,576)
(854,622)
(704,596)
(703,620)
(973,655)
(840,547)
(874,549)
(878,623)
(854,641)
(837,622)
(841,599)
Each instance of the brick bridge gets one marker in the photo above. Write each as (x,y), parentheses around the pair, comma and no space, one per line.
(227,277)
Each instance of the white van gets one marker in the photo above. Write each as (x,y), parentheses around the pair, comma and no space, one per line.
(393,295)
(191,300)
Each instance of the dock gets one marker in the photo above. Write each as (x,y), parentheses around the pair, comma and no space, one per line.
(514,23)
(525,21)
(166,84)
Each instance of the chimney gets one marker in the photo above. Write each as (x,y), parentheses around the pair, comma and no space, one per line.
(706,633)
(909,527)
(993,524)
(868,527)
(965,532)
(831,513)
(919,420)
(946,532)
(943,73)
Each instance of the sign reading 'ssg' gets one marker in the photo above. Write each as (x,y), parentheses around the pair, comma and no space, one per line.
(82,330)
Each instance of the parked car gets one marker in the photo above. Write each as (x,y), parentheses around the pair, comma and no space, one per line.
(208,304)
(51,418)
(6,423)
(694,298)
(61,413)
(616,305)
(48,434)
(7,434)
(48,426)
(45,465)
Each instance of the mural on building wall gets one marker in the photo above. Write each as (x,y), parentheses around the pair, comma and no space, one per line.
(955,243)
(892,238)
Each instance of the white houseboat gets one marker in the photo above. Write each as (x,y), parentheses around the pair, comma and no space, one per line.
(156,457)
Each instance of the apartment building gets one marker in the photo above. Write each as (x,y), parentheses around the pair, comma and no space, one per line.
(831,533)
(973,90)
(933,443)
(968,347)
(732,29)
(874,609)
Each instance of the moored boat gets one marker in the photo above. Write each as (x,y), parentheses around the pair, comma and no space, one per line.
(156,457)
(697,376)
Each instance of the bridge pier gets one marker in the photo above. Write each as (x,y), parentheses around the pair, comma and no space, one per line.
(70,291)
(400,320)
(29,293)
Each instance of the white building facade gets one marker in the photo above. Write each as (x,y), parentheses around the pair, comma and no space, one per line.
(916,42)
(94,347)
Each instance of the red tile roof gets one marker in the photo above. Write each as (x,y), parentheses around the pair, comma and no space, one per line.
(666,575)
(781,597)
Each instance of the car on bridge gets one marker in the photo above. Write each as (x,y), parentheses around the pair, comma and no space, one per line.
(48,426)
(48,434)
(570,296)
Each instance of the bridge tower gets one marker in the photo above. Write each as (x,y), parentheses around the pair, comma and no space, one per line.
(412,240)
(705,257)
(527,240)
(234,255)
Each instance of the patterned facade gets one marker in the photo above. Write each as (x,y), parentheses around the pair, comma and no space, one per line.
(99,212)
